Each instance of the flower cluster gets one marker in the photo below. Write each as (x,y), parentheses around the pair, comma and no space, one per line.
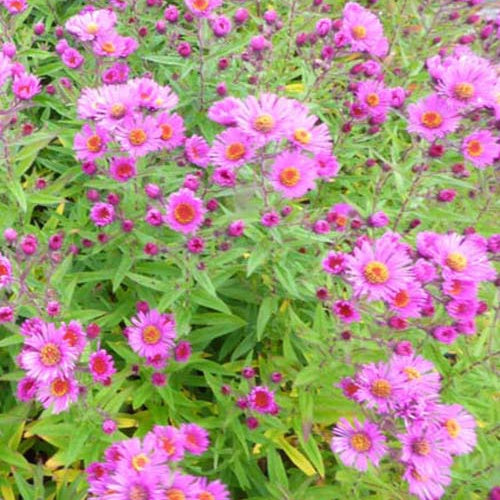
(147,468)
(24,85)
(403,395)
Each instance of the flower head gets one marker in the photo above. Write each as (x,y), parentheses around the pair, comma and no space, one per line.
(293,174)
(184,211)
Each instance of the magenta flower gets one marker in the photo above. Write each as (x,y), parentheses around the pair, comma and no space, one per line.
(5,271)
(334,263)
(123,169)
(138,135)
(346,311)
(231,149)
(58,392)
(197,151)
(339,214)
(460,435)
(72,58)
(169,442)
(432,118)
(460,288)
(481,148)
(184,211)
(292,174)
(101,366)
(374,97)
(202,8)
(15,6)
(74,336)
(171,131)
(27,388)
(102,214)
(151,333)
(427,486)
(90,24)
(213,490)
(306,133)
(109,105)
(196,440)
(223,112)
(358,444)
(111,44)
(152,96)
(326,165)
(408,300)
(261,399)
(26,86)
(445,334)
(91,144)
(5,69)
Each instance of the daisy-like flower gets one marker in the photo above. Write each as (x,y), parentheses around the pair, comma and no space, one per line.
(358,444)
(169,442)
(261,399)
(101,366)
(151,333)
(460,289)
(380,386)
(427,486)
(460,427)
(72,58)
(231,149)
(5,271)
(184,211)
(58,392)
(123,169)
(349,387)
(197,151)
(111,44)
(171,131)
(462,310)
(445,334)
(374,96)
(481,148)
(15,6)
(151,95)
(346,311)
(338,216)
(196,440)
(305,133)
(378,271)
(293,174)
(91,144)
(126,485)
(223,112)
(139,458)
(74,336)
(27,388)
(432,118)
(47,355)
(138,135)
(363,31)
(111,104)
(26,86)
(5,69)
(408,300)
(181,487)
(422,379)
(424,447)
(90,24)
(467,81)
(264,118)
(211,490)
(326,165)
(31,326)
(334,263)
(202,8)
(102,214)
(460,258)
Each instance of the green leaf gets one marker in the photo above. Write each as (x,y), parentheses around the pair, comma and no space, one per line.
(267,307)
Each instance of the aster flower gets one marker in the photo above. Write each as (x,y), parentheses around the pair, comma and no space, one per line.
(47,355)
(109,105)
(127,486)
(334,263)
(349,387)
(358,444)
(138,135)
(139,458)
(151,333)
(27,388)
(264,118)
(427,486)
(261,399)
(408,300)
(111,44)
(231,149)
(304,132)
(171,131)
(378,271)
(182,486)
(326,165)
(91,144)
(202,8)
(380,386)
(26,86)
(72,58)
(363,31)
(101,366)
(122,169)
(31,326)
(462,310)
(184,211)
(346,311)
(5,271)
(224,176)
(459,288)
(339,214)
(223,112)
(374,97)
(424,448)
(5,69)
(196,440)
(481,148)
(445,334)
(15,6)
(151,95)
(74,336)
(58,393)
(292,174)
(197,150)
(90,24)
(102,214)
(213,490)
(460,435)
(169,442)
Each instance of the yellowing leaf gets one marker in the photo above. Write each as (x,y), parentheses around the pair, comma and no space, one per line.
(295,456)
(295,88)
(126,422)
(284,306)
(60,208)
(256,449)
(7,493)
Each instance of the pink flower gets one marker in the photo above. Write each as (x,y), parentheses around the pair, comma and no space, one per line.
(326,165)
(445,334)
(170,442)
(27,388)
(270,219)
(339,214)
(197,150)
(5,272)
(88,25)
(153,96)
(306,133)
(232,149)
(151,333)
(25,86)
(111,44)
(432,118)
(334,263)
(196,440)
(183,351)
(74,336)
(102,214)
(15,6)
(58,392)
(101,366)
(261,399)
(374,97)
(292,174)
(481,148)
(184,211)
(72,58)
(213,490)
(138,135)
(171,131)
(91,144)
(346,311)
(202,8)
(408,300)
(123,169)
(460,435)
(358,444)
(223,112)
(427,486)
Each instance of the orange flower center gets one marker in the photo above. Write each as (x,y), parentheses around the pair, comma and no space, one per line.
(108,47)
(302,135)
(475,148)
(151,334)
(50,354)
(118,111)
(71,337)
(376,272)
(59,387)
(174,494)
(16,5)
(340,220)
(261,399)
(264,123)
(3,270)
(360,442)
(140,461)
(463,90)
(456,261)
(99,366)
(456,287)
(402,299)
(168,445)
(412,373)
(201,5)
(166,131)
(358,32)
(421,447)
(92,28)
(235,151)
(137,137)
(184,213)
(289,176)
(94,143)
(381,388)
(372,99)
(205,495)
(453,428)
(138,492)
(431,119)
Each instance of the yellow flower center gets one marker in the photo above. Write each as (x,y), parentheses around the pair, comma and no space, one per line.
(431,119)
(205,495)
(59,387)
(456,261)
(453,428)
(475,148)
(137,137)
(201,5)
(402,299)
(289,176)
(302,135)
(412,373)
(50,354)
(421,447)
(463,90)
(174,494)
(184,213)
(360,442)
(140,461)
(138,492)
(118,111)
(358,32)
(235,151)
(372,100)
(92,28)
(264,123)
(381,388)
(376,272)
(108,47)
(167,131)
(151,334)
(94,143)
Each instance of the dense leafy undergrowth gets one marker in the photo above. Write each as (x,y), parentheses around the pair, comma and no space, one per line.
(248,249)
